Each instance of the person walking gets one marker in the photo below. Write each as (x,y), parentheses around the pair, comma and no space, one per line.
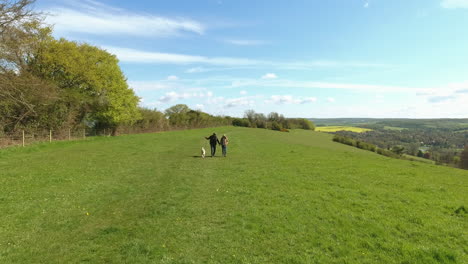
(213,142)
(224,142)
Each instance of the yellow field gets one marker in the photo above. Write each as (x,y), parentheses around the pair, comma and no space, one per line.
(342,128)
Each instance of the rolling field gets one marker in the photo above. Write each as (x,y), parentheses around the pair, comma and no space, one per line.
(342,128)
(278,197)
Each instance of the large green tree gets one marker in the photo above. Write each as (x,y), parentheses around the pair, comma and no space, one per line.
(92,85)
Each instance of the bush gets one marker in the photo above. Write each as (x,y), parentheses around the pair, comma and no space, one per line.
(240,122)
(284,130)
(387,153)
(275,126)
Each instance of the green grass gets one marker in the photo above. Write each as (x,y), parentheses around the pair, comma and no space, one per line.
(342,128)
(277,198)
(414,158)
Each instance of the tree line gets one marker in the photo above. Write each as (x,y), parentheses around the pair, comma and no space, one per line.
(273,121)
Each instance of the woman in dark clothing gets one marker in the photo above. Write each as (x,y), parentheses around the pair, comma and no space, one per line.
(213,141)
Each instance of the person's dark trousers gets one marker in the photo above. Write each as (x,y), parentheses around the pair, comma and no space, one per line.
(213,150)
(224,150)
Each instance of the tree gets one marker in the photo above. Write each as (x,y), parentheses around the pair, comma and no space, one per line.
(250,115)
(412,149)
(177,109)
(91,83)
(151,120)
(420,154)
(177,115)
(275,126)
(427,155)
(464,159)
(23,96)
(398,150)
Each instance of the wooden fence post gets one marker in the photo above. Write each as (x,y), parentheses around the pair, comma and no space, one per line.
(69,134)
(50,135)
(84,133)
(23,138)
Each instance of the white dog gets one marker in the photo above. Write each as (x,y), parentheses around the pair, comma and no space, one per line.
(203,152)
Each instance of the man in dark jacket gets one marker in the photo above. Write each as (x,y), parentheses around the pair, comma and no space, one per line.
(213,141)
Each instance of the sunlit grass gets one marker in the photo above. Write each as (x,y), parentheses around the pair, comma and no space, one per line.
(341,128)
(278,197)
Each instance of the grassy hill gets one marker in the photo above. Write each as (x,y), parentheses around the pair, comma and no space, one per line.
(277,198)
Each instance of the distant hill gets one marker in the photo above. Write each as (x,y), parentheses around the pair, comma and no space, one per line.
(393,122)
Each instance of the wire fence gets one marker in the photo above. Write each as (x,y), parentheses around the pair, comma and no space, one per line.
(28,137)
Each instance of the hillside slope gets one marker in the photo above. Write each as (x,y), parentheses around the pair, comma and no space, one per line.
(277,198)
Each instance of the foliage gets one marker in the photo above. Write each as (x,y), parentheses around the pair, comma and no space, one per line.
(25,100)
(240,122)
(91,83)
(275,126)
(398,150)
(273,121)
(464,159)
(151,120)
(278,198)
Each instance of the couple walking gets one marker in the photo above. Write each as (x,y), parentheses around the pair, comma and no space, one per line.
(214,141)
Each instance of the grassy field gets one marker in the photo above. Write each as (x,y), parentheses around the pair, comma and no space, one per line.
(341,128)
(277,198)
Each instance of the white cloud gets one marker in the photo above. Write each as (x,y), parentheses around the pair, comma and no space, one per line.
(172,78)
(366,4)
(186,94)
(243,92)
(331,99)
(289,99)
(269,76)
(199,106)
(236,83)
(141,86)
(196,70)
(245,42)
(241,101)
(454,4)
(137,56)
(95,18)
(173,96)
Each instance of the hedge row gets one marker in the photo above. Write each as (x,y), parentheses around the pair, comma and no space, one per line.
(364,145)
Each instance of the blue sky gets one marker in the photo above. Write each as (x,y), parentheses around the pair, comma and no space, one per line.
(310,58)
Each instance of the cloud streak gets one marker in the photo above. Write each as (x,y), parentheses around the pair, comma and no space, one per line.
(245,42)
(289,99)
(95,18)
(150,57)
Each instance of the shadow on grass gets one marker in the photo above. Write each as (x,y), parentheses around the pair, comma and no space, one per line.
(206,157)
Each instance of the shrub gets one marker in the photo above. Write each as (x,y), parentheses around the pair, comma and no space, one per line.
(387,153)
(275,126)
(240,122)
